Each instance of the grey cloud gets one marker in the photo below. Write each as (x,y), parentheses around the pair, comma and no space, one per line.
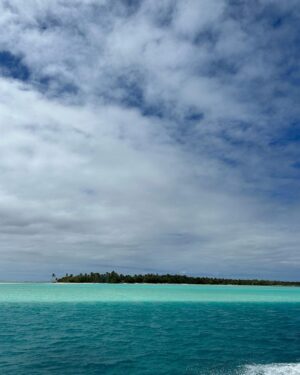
(97,163)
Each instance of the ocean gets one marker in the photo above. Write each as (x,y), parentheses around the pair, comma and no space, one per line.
(149,329)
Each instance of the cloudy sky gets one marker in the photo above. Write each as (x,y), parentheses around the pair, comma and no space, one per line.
(149,136)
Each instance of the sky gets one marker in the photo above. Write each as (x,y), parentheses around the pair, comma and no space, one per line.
(150,136)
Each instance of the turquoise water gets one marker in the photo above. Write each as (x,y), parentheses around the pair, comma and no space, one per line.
(148,329)
(54,293)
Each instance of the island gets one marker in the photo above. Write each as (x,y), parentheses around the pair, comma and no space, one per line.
(150,278)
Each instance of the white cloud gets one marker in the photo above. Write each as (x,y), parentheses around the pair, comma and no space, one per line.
(87,180)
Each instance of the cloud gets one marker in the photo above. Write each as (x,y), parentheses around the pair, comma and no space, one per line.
(148,138)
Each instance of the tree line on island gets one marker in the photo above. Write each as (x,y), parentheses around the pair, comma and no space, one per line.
(150,278)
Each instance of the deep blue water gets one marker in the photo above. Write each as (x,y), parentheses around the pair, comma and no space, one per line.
(149,338)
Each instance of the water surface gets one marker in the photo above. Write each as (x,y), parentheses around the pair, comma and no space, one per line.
(148,329)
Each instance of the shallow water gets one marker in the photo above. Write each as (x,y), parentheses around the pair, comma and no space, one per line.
(149,329)
(38,292)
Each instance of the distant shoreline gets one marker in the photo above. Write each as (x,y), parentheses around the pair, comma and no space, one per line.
(115,278)
(123,283)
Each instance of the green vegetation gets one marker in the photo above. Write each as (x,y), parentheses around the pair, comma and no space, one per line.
(115,278)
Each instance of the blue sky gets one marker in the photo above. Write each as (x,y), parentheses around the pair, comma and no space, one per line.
(149,136)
